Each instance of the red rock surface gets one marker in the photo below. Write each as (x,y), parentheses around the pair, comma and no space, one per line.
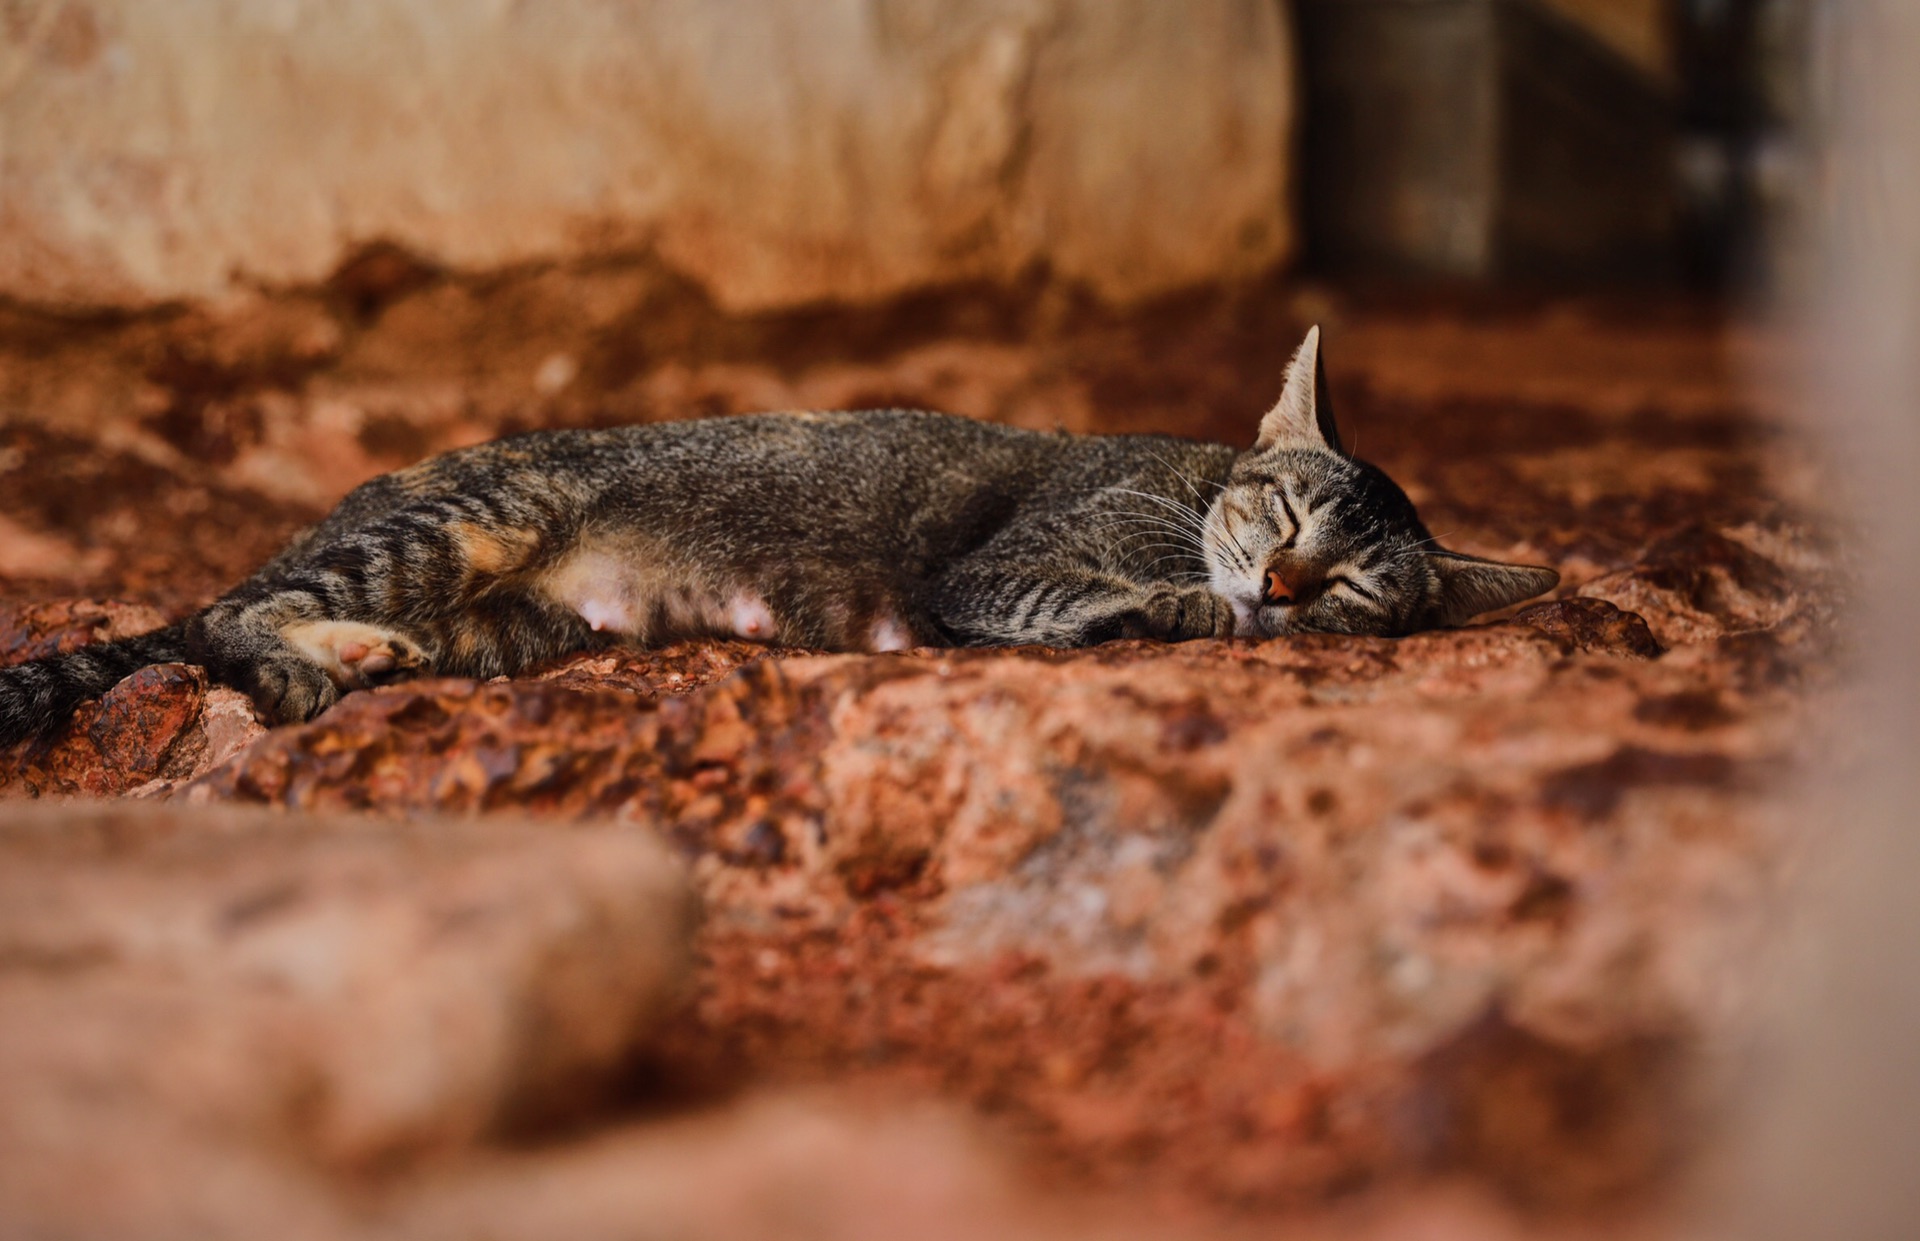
(1223,931)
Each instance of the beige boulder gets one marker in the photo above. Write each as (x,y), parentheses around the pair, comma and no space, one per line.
(778,151)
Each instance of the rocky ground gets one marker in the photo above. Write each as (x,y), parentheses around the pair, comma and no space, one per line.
(1443,936)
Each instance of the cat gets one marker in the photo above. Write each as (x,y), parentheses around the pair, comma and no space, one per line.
(877,530)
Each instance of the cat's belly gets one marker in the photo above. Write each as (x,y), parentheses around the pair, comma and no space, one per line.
(633,595)
(650,601)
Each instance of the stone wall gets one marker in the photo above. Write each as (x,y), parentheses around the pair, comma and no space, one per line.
(778,152)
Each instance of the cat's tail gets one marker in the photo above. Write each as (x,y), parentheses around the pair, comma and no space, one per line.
(39,696)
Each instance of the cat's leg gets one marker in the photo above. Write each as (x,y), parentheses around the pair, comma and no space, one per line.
(998,601)
(294,650)
(436,587)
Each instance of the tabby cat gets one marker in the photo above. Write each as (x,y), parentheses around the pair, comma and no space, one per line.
(871,531)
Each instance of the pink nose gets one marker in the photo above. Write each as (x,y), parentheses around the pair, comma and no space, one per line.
(1277,590)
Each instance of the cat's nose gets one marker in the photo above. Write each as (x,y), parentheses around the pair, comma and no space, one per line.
(1277,590)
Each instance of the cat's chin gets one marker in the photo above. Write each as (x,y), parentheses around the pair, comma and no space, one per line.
(1246,619)
(1272,622)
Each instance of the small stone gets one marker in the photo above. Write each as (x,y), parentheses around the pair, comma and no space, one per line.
(145,716)
(1593,626)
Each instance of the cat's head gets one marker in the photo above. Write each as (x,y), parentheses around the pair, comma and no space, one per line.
(1306,539)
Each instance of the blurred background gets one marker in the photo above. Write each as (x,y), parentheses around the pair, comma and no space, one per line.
(1473,935)
(850,152)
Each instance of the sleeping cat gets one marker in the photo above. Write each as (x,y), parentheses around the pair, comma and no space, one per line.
(870,531)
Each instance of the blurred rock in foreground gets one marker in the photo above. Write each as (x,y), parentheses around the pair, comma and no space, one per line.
(224,990)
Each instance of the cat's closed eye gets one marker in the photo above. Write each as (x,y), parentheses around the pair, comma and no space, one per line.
(1359,589)
(1284,515)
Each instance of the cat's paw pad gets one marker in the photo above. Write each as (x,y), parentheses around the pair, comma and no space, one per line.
(357,656)
(1180,615)
(391,658)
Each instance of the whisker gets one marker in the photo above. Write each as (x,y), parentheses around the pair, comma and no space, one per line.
(1142,520)
(1176,549)
(1187,525)
(1144,532)
(1182,475)
(1179,577)
(1226,530)
(1240,553)
(1175,509)
(1141,540)
(1173,550)
(1157,498)
(1184,514)
(1245,555)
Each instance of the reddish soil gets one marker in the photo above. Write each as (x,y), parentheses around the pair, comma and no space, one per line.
(1220,932)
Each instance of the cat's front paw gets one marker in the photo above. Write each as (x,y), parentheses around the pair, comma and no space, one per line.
(1179,615)
(289,690)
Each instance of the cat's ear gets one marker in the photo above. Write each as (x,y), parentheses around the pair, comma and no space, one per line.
(1470,585)
(1303,416)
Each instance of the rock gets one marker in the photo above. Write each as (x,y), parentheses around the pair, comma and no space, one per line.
(676,669)
(38,630)
(229,725)
(155,1178)
(142,719)
(1592,625)
(771,1168)
(788,1164)
(1607,1119)
(843,151)
(801,1165)
(355,993)
(1697,583)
